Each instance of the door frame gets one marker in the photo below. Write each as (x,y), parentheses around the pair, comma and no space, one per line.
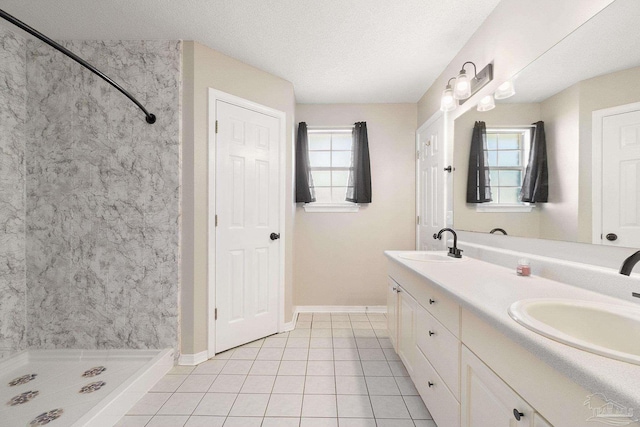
(597,117)
(214,97)
(431,120)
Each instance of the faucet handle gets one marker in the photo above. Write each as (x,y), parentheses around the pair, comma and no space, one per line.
(455,252)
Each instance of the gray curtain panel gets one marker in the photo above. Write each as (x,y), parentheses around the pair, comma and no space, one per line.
(535,186)
(359,190)
(304,181)
(478,184)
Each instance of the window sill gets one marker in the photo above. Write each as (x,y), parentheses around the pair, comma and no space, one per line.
(485,207)
(331,207)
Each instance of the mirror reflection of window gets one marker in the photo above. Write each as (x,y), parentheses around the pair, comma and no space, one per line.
(507,154)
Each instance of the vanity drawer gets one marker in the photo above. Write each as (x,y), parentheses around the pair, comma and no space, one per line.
(442,307)
(441,348)
(443,406)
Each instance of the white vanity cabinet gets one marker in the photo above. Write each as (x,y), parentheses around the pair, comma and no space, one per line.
(407,307)
(487,401)
(427,326)
(392,311)
(538,421)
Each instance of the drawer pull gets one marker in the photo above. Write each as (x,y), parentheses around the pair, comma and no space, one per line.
(431,385)
(432,301)
(517,414)
(395,289)
(431,333)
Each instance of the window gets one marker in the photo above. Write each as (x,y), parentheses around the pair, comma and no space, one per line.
(507,154)
(330,166)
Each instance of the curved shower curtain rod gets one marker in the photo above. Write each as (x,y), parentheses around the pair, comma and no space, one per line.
(151,118)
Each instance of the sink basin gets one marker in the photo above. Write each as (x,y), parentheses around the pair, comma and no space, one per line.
(605,329)
(430,256)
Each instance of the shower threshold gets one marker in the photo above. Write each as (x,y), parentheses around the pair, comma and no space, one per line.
(74,388)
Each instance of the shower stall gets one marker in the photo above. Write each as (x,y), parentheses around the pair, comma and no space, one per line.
(89,227)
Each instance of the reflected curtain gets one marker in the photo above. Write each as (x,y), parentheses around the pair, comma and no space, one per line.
(478,184)
(304,181)
(535,186)
(359,190)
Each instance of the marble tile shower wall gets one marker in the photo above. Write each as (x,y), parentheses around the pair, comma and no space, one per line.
(102,196)
(13,93)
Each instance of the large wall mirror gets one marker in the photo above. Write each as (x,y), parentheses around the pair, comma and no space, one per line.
(586,90)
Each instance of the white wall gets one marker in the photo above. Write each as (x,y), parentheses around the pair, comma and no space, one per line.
(339,256)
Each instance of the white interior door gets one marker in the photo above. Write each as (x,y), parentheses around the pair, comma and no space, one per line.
(621,179)
(431,184)
(247,213)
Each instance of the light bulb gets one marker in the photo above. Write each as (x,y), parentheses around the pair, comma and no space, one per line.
(448,102)
(487,103)
(462,87)
(505,90)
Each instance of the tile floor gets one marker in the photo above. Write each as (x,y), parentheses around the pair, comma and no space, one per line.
(333,370)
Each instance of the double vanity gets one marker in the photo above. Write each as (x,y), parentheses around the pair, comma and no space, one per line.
(486,347)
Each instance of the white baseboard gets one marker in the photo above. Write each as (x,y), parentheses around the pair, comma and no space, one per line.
(193,359)
(289,326)
(340,309)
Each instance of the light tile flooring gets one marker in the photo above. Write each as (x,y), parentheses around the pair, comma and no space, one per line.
(333,370)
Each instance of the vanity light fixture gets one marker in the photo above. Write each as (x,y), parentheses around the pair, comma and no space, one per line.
(448,102)
(465,86)
(487,103)
(462,87)
(505,90)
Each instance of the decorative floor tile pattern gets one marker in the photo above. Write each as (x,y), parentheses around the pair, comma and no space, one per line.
(333,370)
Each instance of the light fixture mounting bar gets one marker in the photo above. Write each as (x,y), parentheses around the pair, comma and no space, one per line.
(482,78)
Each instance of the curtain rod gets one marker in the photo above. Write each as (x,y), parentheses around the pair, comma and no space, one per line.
(150,118)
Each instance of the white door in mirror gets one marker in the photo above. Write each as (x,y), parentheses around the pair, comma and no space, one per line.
(621,179)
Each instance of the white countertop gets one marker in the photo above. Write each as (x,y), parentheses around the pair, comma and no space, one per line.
(488,290)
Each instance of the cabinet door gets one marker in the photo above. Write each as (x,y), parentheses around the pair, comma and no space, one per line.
(486,400)
(392,311)
(406,328)
(538,421)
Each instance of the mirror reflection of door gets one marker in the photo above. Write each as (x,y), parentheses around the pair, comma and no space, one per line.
(431,177)
(621,177)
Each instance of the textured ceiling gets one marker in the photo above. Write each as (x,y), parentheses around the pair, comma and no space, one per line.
(333,51)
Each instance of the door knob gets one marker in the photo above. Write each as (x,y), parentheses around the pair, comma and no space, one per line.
(449,169)
(517,414)
(611,237)
(274,236)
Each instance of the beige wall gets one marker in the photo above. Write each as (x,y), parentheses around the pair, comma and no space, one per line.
(596,94)
(339,256)
(514,35)
(559,217)
(204,68)
(525,224)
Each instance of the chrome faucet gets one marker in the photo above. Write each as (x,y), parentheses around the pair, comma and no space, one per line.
(453,251)
(501,230)
(629,263)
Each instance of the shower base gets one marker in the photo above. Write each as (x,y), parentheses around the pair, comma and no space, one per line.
(73,388)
